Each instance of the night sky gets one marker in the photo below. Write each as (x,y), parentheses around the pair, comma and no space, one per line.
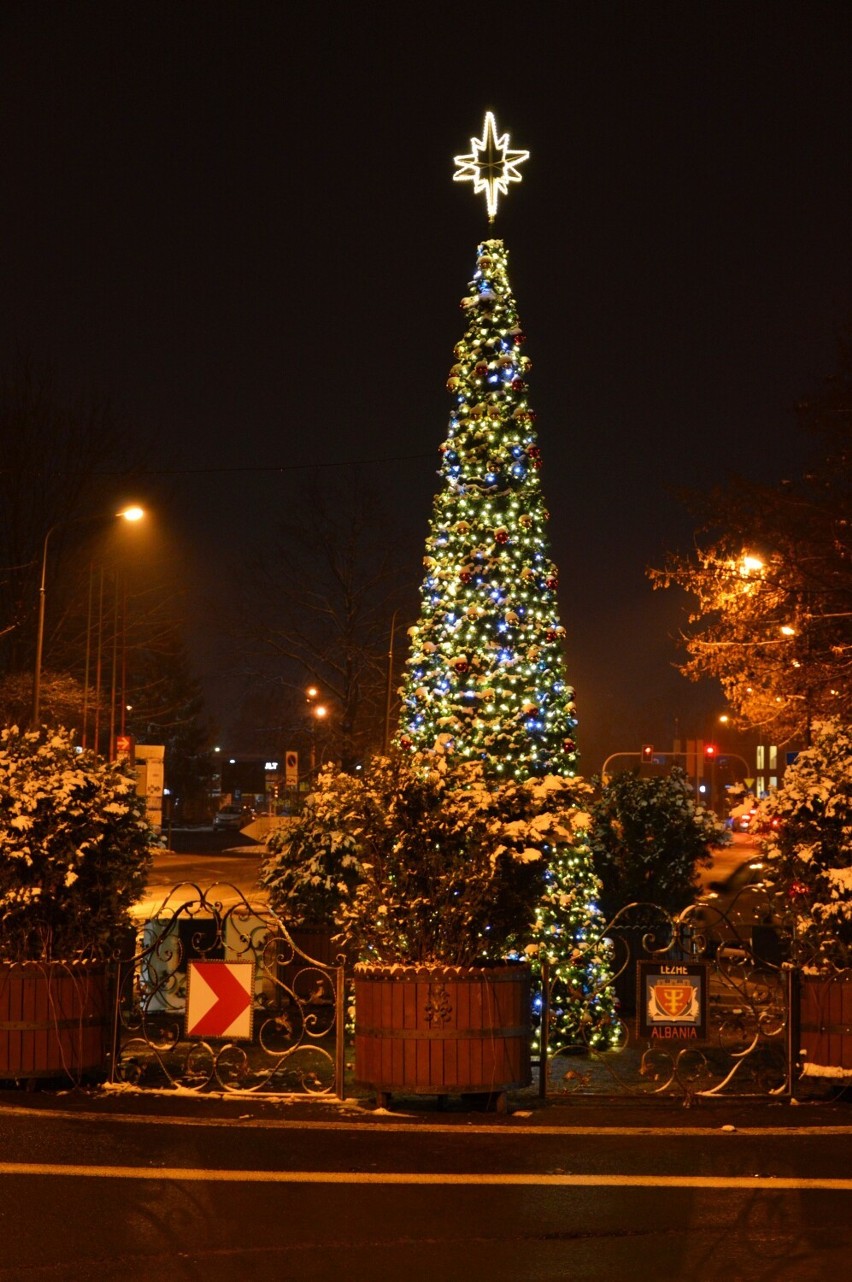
(240,221)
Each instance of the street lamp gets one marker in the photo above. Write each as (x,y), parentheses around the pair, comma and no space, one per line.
(131,513)
(318,713)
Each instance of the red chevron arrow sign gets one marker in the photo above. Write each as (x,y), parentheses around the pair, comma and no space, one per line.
(219,999)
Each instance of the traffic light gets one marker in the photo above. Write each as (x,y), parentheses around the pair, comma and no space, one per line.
(647,752)
(710,751)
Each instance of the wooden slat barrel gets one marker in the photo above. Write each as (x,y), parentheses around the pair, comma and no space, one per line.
(54,1019)
(825,1020)
(440,1030)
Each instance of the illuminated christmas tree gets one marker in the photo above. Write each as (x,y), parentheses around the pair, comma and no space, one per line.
(485,678)
(486,669)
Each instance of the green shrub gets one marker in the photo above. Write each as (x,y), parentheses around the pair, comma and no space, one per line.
(649,837)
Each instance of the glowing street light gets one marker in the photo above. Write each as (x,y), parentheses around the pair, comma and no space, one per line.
(318,713)
(131,513)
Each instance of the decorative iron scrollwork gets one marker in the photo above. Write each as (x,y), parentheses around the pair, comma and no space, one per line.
(744,1048)
(296,1041)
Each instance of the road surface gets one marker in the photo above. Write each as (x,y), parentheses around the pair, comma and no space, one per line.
(212,1199)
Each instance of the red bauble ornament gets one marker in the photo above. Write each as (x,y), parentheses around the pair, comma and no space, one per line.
(551,583)
(404,741)
(518,384)
(551,635)
(461,666)
(465,576)
(534,451)
(569,745)
(501,536)
(519,338)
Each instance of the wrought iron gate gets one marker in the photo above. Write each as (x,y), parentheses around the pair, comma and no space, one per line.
(704,1005)
(218,995)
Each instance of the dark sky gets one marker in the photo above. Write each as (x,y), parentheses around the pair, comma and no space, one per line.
(239,219)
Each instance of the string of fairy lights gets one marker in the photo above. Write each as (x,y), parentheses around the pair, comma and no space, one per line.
(486,666)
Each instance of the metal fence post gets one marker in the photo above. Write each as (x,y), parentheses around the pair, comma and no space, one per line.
(545,1029)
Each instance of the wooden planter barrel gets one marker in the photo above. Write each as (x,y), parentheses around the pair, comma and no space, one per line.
(825,1022)
(442,1030)
(55,1019)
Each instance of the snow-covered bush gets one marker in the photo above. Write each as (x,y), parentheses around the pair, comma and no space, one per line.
(312,866)
(808,849)
(446,865)
(74,849)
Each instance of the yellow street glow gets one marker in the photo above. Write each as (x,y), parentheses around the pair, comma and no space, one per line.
(132,513)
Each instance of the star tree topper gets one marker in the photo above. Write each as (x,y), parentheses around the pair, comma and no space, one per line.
(491,166)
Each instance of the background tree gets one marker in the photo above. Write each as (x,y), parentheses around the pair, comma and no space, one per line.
(113,625)
(318,609)
(62,699)
(168,707)
(65,460)
(771,582)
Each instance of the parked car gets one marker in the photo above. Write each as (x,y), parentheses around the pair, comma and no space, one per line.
(739,913)
(743,819)
(232,817)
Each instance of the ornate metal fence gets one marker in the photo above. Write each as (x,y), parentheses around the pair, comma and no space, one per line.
(704,1007)
(218,995)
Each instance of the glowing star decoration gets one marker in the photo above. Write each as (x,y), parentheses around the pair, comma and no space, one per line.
(491,166)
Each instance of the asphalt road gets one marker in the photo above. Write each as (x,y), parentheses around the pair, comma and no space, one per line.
(88,1198)
(204,857)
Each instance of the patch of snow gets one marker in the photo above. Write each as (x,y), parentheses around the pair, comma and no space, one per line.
(826,1070)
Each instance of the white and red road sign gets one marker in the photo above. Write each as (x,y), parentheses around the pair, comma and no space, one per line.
(219,999)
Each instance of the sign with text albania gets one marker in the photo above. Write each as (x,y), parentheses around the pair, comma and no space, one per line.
(672,1001)
(219,999)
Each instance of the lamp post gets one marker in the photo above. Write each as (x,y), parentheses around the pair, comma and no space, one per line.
(132,513)
(389,690)
(318,713)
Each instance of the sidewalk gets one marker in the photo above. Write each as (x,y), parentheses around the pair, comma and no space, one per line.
(526,1109)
